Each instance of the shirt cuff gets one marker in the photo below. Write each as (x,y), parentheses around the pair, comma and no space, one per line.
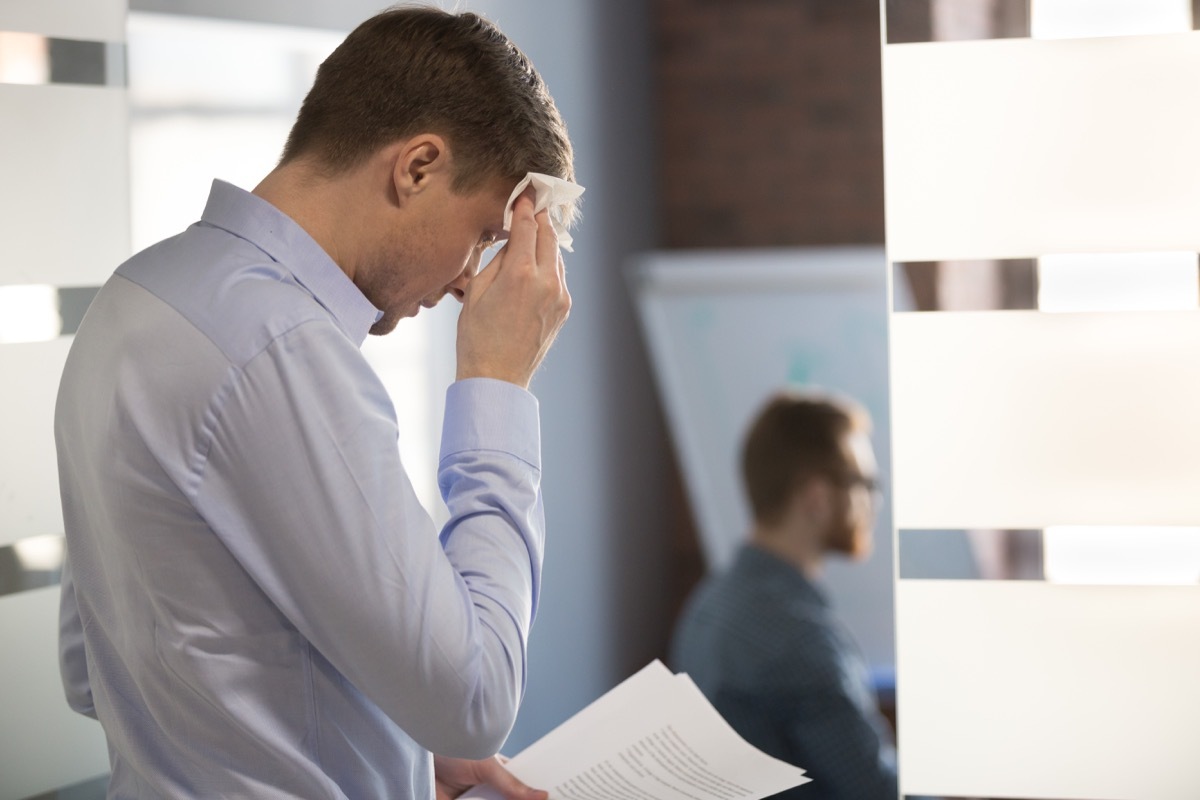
(490,414)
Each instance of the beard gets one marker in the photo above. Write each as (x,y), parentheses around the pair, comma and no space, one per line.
(849,536)
(386,324)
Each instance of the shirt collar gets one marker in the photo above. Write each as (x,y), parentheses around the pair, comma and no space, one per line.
(254,219)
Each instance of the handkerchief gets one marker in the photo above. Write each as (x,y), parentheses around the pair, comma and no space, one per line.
(552,193)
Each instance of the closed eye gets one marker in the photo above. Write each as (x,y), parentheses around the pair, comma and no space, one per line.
(490,244)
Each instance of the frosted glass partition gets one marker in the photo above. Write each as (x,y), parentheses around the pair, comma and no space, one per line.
(43,744)
(1005,149)
(64,226)
(1066,19)
(64,200)
(1118,282)
(29,313)
(88,20)
(1025,689)
(1136,556)
(1023,420)
(29,503)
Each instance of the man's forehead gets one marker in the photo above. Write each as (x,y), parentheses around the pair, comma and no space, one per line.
(859,443)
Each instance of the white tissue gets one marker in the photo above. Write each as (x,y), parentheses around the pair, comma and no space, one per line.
(551,193)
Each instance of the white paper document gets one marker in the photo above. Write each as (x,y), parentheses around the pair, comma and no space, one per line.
(653,737)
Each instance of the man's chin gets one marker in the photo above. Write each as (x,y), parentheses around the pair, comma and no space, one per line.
(386,324)
(853,546)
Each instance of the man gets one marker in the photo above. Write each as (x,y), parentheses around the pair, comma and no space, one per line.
(761,640)
(255,604)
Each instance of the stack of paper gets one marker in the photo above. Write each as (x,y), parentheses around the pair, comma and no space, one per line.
(653,737)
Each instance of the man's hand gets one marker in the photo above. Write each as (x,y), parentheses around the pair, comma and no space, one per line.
(513,310)
(453,776)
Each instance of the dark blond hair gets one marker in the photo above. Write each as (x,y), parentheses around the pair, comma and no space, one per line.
(412,70)
(796,436)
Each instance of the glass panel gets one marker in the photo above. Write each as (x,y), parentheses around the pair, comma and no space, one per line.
(24,58)
(230,116)
(1024,420)
(1066,19)
(89,20)
(31,563)
(971,555)
(1118,282)
(32,59)
(1132,556)
(39,312)
(978,285)
(43,744)
(1084,555)
(1026,689)
(64,202)
(955,20)
(94,789)
(1019,148)
(29,313)
(29,504)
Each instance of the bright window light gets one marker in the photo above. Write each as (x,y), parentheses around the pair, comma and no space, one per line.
(194,117)
(40,553)
(24,58)
(29,313)
(1070,19)
(1119,555)
(1119,282)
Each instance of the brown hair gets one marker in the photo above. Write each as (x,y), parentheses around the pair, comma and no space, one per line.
(795,437)
(411,70)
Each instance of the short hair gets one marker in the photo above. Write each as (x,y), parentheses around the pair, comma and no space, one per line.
(415,69)
(796,436)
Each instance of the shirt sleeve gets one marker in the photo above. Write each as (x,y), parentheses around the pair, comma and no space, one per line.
(302,481)
(72,660)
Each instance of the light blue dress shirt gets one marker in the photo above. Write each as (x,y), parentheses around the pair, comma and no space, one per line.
(256,604)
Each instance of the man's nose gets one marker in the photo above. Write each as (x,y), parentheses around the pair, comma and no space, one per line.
(458,286)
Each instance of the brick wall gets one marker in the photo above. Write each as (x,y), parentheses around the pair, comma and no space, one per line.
(769,122)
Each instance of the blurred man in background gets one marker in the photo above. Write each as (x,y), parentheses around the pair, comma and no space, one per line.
(761,640)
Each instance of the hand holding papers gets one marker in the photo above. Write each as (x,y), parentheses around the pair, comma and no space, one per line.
(653,737)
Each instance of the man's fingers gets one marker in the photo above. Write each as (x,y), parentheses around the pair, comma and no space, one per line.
(522,236)
(533,235)
(547,242)
(507,784)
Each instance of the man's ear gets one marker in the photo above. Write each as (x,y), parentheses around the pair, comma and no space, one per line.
(419,160)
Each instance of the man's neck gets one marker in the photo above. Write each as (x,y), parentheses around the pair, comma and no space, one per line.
(800,549)
(327,209)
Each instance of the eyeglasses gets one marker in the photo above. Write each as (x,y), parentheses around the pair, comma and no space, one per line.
(871,484)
